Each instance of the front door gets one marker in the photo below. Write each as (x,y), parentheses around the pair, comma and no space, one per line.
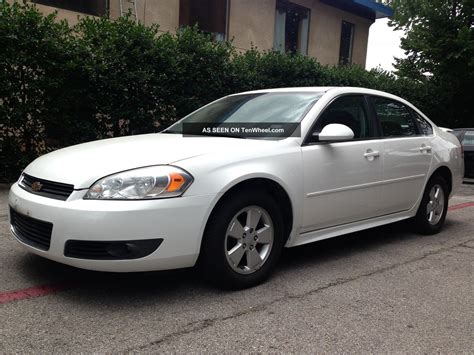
(342,180)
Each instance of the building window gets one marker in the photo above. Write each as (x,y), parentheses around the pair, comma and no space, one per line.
(209,15)
(90,7)
(347,41)
(291,28)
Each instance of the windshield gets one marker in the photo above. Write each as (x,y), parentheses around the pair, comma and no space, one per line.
(274,107)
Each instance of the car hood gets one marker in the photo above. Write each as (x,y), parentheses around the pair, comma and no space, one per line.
(81,165)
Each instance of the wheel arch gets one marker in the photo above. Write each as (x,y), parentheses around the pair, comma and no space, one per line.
(272,186)
(446,173)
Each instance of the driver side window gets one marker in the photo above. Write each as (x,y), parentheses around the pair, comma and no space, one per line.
(350,111)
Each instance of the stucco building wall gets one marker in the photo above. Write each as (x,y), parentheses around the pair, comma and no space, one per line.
(70,16)
(252,23)
(325,33)
(162,12)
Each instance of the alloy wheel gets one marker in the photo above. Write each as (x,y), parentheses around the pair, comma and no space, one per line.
(249,239)
(435,206)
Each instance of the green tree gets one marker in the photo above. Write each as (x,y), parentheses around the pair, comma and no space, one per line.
(439,44)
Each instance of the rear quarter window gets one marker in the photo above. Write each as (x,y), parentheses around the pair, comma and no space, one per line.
(424,125)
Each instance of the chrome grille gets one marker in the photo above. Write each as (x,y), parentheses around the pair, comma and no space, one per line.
(46,188)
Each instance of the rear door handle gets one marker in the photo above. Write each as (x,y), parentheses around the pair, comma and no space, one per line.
(425,148)
(371,154)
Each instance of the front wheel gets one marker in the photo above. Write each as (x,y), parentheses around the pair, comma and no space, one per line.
(243,240)
(433,207)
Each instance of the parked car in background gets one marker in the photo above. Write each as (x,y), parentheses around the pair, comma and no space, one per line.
(466,137)
(232,201)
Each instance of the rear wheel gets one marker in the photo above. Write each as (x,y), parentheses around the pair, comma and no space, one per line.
(243,240)
(433,207)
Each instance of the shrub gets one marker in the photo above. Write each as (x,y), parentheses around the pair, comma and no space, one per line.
(62,84)
(34,50)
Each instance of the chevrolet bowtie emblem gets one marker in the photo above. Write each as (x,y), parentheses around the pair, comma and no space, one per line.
(36,186)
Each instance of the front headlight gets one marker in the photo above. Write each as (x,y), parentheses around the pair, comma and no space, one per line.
(144,183)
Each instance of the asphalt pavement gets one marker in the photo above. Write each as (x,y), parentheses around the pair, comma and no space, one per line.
(385,290)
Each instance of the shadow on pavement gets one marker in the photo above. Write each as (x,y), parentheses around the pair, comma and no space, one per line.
(121,288)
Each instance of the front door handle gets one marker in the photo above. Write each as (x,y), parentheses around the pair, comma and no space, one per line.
(425,148)
(371,154)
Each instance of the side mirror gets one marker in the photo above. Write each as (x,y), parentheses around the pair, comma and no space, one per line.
(334,132)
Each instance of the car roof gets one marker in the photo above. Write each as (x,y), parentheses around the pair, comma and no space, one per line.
(291,89)
(326,89)
(338,90)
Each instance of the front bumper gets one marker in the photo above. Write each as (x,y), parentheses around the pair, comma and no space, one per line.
(178,221)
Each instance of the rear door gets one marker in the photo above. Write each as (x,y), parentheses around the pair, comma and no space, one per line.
(407,154)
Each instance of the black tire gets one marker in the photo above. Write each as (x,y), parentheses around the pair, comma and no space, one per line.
(421,221)
(213,259)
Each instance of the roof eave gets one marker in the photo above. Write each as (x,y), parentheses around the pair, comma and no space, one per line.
(380,10)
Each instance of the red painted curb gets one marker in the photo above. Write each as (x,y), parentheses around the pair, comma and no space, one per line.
(461,205)
(32,292)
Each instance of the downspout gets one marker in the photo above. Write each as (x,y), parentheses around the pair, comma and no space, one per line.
(227,20)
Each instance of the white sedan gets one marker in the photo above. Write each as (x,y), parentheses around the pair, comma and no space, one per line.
(230,202)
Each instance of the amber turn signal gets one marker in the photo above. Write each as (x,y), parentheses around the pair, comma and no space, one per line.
(176,181)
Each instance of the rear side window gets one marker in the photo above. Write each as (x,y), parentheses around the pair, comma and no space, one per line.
(424,125)
(395,118)
(468,138)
